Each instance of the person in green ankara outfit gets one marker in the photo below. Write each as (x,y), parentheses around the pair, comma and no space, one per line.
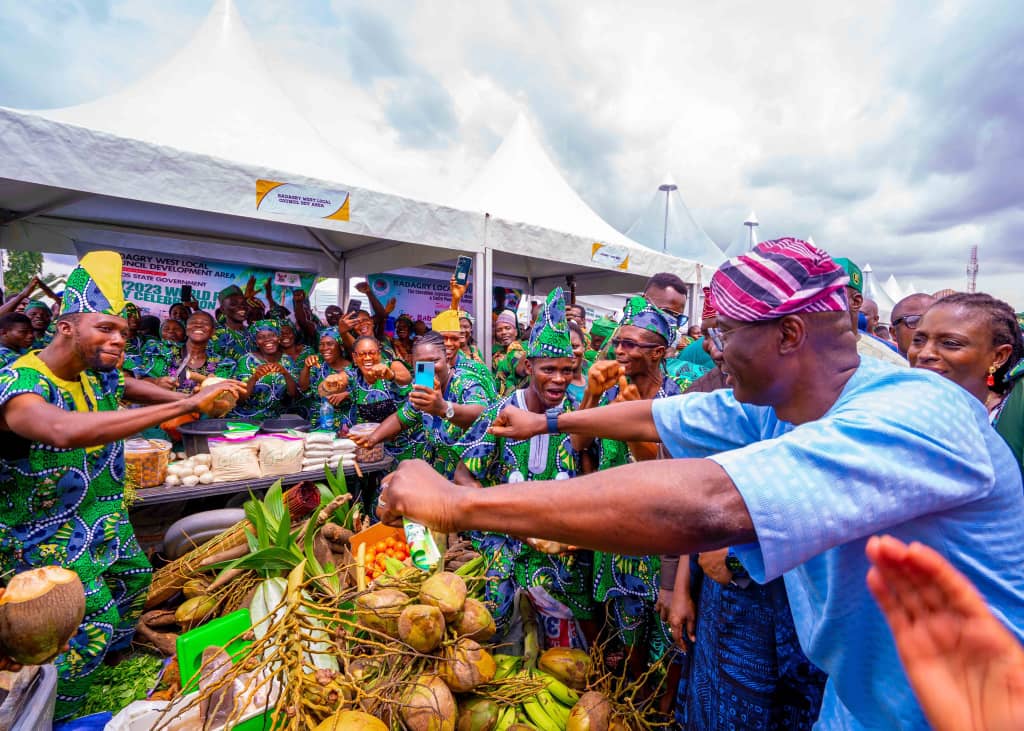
(267,375)
(39,313)
(232,339)
(61,492)
(629,584)
(600,330)
(442,415)
(558,580)
(508,357)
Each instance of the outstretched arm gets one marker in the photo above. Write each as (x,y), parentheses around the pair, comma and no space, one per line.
(670,506)
(966,668)
(629,421)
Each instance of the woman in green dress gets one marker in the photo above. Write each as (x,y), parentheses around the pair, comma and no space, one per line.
(468,343)
(267,375)
(304,403)
(376,389)
(509,363)
(315,369)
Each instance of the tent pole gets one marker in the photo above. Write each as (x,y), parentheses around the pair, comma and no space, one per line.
(480,299)
(486,295)
(342,282)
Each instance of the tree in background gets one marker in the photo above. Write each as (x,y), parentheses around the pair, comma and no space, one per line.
(21,267)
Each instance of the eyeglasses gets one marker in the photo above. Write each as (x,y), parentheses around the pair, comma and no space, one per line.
(911,321)
(629,345)
(680,319)
(721,338)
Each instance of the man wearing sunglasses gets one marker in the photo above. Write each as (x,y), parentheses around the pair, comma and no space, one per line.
(905,316)
(812,451)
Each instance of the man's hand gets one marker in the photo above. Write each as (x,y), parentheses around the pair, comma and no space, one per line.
(347,322)
(312,361)
(713,564)
(337,399)
(603,375)
(390,306)
(206,399)
(427,400)
(663,604)
(682,618)
(415,490)
(515,423)
(965,667)
(458,292)
(363,287)
(627,391)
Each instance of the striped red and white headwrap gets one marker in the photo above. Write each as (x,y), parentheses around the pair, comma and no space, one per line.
(709,304)
(778,278)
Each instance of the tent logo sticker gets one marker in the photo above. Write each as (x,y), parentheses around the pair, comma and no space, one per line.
(614,257)
(289,199)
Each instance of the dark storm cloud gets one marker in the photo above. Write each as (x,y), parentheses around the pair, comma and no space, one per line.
(416,104)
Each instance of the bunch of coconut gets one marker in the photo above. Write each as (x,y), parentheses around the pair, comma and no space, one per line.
(439,621)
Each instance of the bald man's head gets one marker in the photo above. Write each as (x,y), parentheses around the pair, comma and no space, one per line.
(905,316)
(870,309)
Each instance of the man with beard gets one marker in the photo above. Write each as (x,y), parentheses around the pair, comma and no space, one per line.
(232,339)
(558,580)
(61,497)
(812,451)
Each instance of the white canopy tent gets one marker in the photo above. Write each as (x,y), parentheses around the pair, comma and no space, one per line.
(878,294)
(667,225)
(171,164)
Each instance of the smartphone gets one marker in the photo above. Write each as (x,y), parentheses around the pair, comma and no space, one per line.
(424,373)
(186,293)
(462,268)
(354,306)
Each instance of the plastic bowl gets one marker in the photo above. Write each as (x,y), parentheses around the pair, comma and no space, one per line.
(145,462)
(365,456)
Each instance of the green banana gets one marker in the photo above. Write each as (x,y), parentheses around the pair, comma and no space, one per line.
(539,718)
(562,692)
(470,567)
(506,719)
(555,710)
(507,665)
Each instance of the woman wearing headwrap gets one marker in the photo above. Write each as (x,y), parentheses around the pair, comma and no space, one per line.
(40,315)
(564,575)
(629,584)
(401,344)
(316,368)
(305,403)
(377,387)
(509,360)
(180,311)
(266,373)
(173,368)
(469,348)
(581,367)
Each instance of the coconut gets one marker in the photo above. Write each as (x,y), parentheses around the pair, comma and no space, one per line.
(379,610)
(478,714)
(446,591)
(195,610)
(591,713)
(351,721)
(429,706)
(40,611)
(421,626)
(466,665)
(194,588)
(570,666)
(475,622)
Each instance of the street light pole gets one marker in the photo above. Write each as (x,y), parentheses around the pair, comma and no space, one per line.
(668,188)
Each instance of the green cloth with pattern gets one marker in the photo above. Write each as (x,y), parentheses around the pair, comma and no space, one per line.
(549,337)
(504,367)
(514,564)
(232,344)
(373,403)
(270,394)
(66,507)
(161,362)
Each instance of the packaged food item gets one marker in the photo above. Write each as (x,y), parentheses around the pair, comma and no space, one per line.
(145,461)
(374,454)
(235,459)
(281,454)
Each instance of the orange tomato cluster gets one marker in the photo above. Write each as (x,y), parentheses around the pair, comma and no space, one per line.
(391,547)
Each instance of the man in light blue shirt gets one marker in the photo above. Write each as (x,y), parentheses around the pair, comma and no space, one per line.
(811,452)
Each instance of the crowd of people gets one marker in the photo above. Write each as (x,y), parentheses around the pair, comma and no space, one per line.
(701,494)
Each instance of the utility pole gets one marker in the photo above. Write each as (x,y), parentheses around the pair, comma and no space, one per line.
(972,270)
(751,223)
(668,188)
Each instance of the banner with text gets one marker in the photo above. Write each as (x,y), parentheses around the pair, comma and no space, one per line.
(154,281)
(421,297)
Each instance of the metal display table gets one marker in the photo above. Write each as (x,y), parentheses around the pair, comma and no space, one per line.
(146,497)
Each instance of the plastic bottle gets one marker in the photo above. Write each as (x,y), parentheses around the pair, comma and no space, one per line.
(326,415)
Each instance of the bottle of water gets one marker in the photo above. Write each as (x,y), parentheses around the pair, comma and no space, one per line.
(326,421)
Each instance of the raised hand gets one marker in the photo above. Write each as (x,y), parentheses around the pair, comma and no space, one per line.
(427,400)
(515,423)
(965,667)
(363,287)
(417,491)
(627,390)
(337,399)
(603,375)
(312,361)
(211,400)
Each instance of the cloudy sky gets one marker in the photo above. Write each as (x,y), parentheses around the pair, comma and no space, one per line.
(890,132)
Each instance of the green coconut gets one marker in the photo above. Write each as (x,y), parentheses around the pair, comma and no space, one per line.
(421,626)
(379,610)
(478,714)
(570,666)
(351,721)
(429,706)
(40,611)
(465,665)
(591,713)
(475,622)
(446,591)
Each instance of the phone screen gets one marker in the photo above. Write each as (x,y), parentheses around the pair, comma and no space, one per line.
(462,269)
(424,373)
(354,306)
(186,293)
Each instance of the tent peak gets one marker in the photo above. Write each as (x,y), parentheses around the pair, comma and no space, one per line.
(751,220)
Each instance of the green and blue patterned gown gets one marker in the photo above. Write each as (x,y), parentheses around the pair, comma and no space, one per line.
(504,367)
(374,402)
(270,395)
(512,563)
(66,507)
(162,359)
(232,344)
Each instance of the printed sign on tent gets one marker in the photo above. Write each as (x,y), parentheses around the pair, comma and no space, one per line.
(290,199)
(608,255)
(422,297)
(153,281)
